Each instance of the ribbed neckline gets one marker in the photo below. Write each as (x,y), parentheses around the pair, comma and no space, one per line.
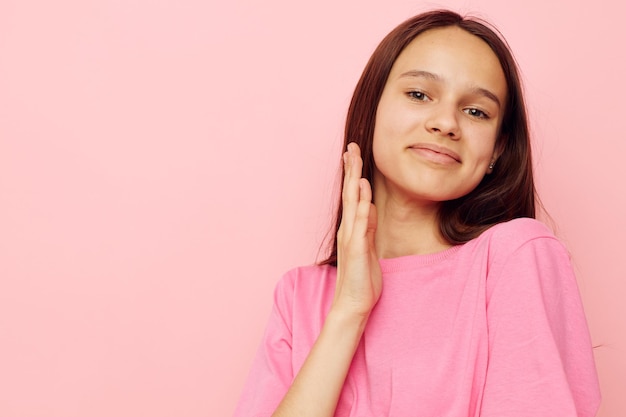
(409,262)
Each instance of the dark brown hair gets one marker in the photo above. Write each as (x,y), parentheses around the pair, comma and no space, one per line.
(509,191)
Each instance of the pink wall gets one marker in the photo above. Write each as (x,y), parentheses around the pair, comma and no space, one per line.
(162,163)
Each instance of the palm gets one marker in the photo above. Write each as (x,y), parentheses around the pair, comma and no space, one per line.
(359,282)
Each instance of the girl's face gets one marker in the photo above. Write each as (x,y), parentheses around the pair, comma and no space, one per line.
(438,117)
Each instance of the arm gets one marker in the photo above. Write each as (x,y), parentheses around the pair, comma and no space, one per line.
(316,389)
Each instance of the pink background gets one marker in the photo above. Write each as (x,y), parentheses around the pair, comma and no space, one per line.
(162,163)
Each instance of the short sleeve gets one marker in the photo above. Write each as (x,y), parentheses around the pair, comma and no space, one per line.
(272,371)
(540,355)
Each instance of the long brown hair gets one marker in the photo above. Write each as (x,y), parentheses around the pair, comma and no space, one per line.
(509,191)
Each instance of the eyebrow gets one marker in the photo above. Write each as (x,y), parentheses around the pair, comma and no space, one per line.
(434,77)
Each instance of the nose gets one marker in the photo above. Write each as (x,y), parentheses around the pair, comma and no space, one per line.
(443,121)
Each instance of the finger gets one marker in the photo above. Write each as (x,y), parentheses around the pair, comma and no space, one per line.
(350,192)
(341,232)
(362,222)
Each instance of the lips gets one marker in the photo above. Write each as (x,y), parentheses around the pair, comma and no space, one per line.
(436,150)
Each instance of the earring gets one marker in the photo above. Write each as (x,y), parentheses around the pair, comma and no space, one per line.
(491,165)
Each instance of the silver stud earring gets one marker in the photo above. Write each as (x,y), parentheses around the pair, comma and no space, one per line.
(491,165)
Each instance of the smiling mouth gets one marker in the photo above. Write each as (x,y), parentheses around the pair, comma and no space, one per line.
(436,153)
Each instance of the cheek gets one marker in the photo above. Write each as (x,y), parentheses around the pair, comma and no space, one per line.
(384,132)
(394,124)
(483,147)
(382,151)
(379,147)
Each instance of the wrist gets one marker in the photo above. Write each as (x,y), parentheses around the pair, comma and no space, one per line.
(348,323)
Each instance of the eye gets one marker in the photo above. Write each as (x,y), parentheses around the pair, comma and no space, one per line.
(417,96)
(479,114)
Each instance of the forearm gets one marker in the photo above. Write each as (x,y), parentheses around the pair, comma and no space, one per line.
(316,389)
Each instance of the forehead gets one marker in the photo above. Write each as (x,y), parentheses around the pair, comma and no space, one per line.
(456,56)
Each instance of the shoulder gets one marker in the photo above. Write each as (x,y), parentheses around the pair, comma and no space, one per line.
(509,237)
(308,275)
(526,251)
(521,242)
(311,282)
(520,230)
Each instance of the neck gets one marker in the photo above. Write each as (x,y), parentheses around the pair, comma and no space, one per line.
(407,228)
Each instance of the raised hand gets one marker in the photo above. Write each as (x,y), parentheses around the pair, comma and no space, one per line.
(317,386)
(359,282)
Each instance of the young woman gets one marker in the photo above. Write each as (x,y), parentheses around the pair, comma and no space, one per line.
(442,296)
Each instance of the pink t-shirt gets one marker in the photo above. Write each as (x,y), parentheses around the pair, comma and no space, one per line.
(494,327)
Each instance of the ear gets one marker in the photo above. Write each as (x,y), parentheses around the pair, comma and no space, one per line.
(497,151)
